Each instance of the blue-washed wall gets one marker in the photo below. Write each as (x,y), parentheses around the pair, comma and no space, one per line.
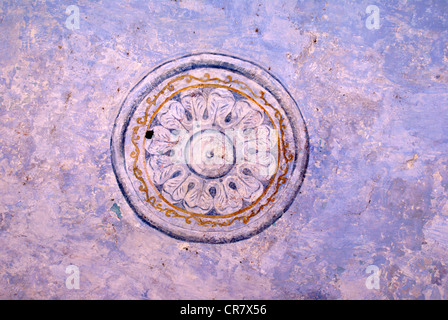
(375,193)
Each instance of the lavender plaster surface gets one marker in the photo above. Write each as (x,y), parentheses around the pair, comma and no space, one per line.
(375,192)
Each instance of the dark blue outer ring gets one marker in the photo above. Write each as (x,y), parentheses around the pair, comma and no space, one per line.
(183,68)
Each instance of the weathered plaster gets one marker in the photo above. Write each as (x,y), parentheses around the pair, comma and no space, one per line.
(375,102)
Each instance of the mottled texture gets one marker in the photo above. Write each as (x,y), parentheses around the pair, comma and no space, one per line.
(375,102)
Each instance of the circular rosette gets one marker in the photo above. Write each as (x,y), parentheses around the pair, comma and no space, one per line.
(209,148)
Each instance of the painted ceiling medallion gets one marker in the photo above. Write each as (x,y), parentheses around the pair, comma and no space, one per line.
(209,148)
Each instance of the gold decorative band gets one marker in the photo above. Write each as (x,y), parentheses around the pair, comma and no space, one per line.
(202,219)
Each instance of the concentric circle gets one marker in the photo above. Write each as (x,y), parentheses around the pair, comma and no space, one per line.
(210,154)
(209,148)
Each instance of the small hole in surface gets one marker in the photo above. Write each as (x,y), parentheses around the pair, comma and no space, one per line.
(149,134)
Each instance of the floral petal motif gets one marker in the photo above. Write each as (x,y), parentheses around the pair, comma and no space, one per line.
(171,118)
(220,104)
(260,150)
(171,188)
(160,168)
(248,115)
(261,134)
(161,133)
(214,190)
(231,200)
(184,187)
(158,147)
(194,103)
(256,140)
(248,186)
(196,198)
(262,164)
(258,172)
(161,142)
(256,155)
